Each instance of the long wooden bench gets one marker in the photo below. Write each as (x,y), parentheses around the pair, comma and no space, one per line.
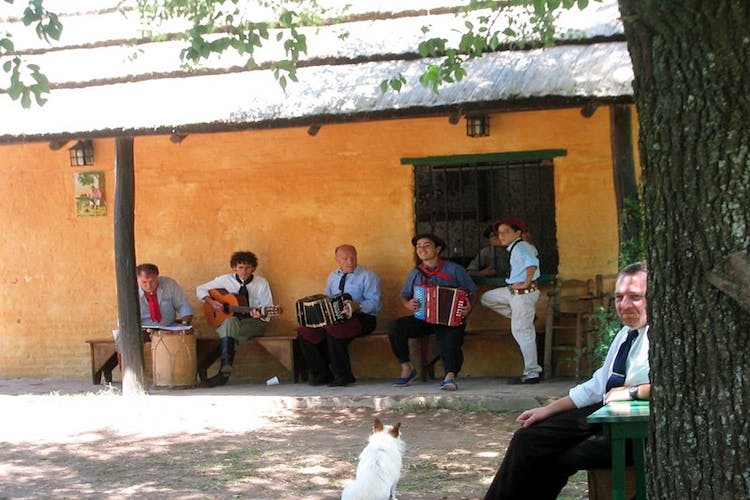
(372,354)
(285,349)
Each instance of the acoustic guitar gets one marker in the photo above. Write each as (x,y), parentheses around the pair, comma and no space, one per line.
(233,303)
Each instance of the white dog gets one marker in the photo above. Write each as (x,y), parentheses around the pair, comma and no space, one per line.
(379,467)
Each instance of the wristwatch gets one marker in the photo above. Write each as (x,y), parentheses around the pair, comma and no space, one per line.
(633,392)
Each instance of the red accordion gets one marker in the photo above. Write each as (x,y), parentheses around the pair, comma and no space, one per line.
(440,305)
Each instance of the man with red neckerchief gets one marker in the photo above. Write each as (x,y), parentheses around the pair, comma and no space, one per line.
(433,270)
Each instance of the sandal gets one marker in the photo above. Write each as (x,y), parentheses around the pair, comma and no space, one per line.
(404,381)
(448,385)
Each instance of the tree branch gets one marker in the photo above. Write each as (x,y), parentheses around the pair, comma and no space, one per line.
(732,276)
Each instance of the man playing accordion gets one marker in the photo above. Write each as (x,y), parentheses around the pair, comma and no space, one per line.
(432,270)
(326,348)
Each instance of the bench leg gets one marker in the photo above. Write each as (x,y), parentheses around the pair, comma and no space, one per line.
(288,352)
(426,361)
(103,361)
(106,369)
(207,352)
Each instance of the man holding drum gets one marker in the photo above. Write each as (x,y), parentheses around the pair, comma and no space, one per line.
(326,348)
(161,300)
(432,270)
(240,326)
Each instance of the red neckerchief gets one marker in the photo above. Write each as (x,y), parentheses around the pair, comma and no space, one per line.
(437,272)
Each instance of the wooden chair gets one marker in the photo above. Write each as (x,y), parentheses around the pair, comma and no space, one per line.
(570,307)
(605,288)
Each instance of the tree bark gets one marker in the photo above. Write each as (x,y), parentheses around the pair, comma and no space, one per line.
(732,276)
(621,138)
(692,90)
(131,345)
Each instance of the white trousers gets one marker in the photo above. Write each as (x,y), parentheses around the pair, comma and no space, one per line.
(521,310)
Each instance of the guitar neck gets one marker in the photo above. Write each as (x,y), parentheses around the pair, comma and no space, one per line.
(243,309)
(264,311)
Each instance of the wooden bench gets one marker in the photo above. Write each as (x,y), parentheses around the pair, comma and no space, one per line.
(425,352)
(103,360)
(285,349)
(429,352)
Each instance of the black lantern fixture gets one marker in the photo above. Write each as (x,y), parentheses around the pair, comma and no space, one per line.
(477,125)
(82,153)
(313,129)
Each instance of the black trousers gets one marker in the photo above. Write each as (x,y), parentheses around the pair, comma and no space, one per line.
(332,355)
(450,339)
(540,458)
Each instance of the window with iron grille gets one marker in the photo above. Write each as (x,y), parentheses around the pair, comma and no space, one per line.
(458,197)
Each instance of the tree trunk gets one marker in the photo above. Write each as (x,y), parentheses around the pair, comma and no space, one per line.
(692,85)
(626,188)
(131,345)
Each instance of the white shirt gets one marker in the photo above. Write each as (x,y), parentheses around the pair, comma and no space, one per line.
(259,291)
(522,256)
(637,371)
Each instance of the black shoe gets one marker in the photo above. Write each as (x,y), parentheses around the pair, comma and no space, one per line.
(318,381)
(342,382)
(523,380)
(216,381)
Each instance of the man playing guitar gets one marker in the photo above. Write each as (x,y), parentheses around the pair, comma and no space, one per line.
(238,327)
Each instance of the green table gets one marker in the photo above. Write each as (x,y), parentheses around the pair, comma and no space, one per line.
(623,420)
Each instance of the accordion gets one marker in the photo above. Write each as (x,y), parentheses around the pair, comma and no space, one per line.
(440,305)
(315,311)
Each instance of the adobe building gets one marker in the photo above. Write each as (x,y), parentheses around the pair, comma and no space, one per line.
(226,160)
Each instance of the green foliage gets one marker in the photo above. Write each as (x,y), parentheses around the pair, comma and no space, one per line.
(26,80)
(605,323)
(217,26)
(632,249)
(394,83)
(485,36)
(87,178)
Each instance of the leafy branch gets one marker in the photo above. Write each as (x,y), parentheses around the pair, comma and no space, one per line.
(216,27)
(26,80)
(535,25)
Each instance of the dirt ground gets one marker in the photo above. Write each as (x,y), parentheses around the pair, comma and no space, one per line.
(103,445)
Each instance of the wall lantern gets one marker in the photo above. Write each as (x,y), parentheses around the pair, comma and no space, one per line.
(313,129)
(477,125)
(176,138)
(82,153)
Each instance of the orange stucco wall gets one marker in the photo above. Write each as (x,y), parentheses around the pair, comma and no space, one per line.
(287,196)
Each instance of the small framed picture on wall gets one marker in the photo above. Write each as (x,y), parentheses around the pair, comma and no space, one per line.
(89,194)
